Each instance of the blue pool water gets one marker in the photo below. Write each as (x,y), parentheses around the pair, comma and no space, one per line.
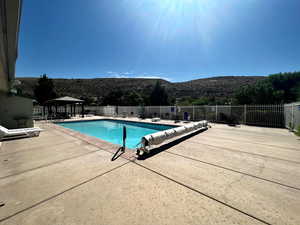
(112,130)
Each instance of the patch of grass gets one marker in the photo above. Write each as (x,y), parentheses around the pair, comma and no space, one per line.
(298,131)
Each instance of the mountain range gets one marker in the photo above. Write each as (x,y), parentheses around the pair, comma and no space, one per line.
(218,87)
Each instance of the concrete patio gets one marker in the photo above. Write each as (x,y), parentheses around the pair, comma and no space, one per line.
(225,175)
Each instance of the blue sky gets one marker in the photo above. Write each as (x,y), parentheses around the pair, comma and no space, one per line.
(173,39)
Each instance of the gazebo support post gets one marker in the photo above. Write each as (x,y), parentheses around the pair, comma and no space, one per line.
(82,110)
(74,110)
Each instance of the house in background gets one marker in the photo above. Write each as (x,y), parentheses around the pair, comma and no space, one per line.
(15,111)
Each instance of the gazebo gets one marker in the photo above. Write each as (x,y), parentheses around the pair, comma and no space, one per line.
(65,101)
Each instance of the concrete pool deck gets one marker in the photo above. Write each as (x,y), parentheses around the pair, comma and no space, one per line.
(225,175)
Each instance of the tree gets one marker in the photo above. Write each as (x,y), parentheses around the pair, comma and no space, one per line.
(201,101)
(287,83)
(120,98)
(44,90)
(260,93)
(132,98)
(244,95)
(88,100)
(276,89)
(159,95)
(296,91)
(114,98)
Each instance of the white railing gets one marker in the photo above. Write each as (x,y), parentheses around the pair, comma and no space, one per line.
(41,113)
(258,115)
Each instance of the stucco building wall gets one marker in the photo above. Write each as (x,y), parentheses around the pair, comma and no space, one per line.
(15,111)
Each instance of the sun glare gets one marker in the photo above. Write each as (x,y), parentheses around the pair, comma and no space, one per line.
(170,19)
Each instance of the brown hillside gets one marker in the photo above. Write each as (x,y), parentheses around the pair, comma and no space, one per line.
(216,86)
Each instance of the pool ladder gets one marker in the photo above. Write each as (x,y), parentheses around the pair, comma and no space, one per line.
(122,148)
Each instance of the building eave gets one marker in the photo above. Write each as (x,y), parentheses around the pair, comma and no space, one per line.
(10,20)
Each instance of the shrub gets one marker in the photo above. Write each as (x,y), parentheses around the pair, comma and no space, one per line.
(229,119)
(298,131)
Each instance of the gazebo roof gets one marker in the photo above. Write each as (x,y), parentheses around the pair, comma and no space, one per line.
(65,100)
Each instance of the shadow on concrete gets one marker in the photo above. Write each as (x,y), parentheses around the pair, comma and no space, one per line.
(12,138)
(118,153)
(164,147)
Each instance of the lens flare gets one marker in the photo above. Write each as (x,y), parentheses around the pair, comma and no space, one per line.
(171,19)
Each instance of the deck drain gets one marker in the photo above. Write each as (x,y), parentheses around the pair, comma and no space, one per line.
(5,160)
(2,204)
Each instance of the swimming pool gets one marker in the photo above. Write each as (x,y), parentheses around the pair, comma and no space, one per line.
(112,130)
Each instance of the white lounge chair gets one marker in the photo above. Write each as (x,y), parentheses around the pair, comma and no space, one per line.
(15,133)
(155,119)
